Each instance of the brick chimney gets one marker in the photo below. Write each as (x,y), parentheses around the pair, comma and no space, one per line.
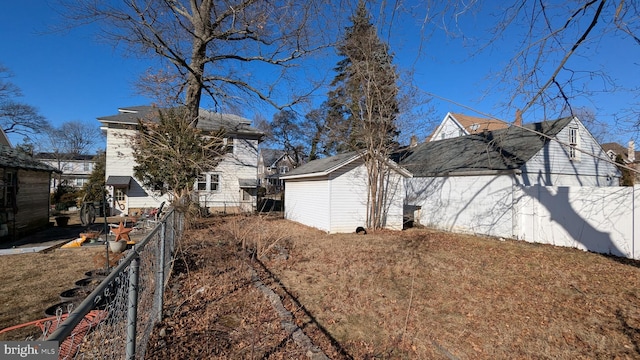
(631,151)
(518,120)
(414,141)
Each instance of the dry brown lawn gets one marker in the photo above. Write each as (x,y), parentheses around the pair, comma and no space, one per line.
(415,294)
(32,282)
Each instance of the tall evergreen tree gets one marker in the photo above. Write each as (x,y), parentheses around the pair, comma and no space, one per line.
(363,101)
(363,106)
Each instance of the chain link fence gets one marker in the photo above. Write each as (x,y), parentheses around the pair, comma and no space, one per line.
(116,319)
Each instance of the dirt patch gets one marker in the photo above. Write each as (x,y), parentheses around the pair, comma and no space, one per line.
(411,294)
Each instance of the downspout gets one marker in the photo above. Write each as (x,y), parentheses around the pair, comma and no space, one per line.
(515,213)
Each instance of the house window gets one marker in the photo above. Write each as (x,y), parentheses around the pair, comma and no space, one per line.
(574,154)
(228,143)
(202,182)
(119,195)
(214,182)
(87,166)
(208,182)
(284,169)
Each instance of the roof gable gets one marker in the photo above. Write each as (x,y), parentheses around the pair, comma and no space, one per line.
(503,149)
(466,125)
(271,157)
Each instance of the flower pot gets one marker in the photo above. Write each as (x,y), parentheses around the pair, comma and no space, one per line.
(74,294)
(90,283)
(97,273)
(117,246)
(62,220)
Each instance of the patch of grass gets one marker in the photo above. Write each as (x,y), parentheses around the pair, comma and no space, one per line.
(32,282)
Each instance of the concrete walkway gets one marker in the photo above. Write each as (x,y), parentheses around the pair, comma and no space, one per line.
(55,236)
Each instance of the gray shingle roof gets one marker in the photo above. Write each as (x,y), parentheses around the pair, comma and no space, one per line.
(209,121)
(321,166)
(271,156)
(118,181)
(12,158)
(498,150)
(324,166)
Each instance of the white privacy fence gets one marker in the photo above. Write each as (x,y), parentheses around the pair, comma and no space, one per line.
(598,219)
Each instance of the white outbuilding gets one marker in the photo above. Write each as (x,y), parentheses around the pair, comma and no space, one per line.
(331,194)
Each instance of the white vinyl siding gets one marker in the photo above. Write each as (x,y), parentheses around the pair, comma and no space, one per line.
(348,188)
(448,129)
(308,202)
(338,203)
(120,162)
(552,165)
(242,164)
(460,203)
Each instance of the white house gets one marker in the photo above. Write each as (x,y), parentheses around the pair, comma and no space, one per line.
(230,188)
(471,183)
(75,169)
(455,124)
(331,194)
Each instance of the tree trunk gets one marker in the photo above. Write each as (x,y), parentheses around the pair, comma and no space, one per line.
(201,33)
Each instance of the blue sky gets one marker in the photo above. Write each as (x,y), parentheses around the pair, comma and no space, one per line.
(70,76)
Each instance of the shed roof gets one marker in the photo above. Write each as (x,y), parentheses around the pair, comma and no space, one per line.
(497,150)
(13,158)
(325,166)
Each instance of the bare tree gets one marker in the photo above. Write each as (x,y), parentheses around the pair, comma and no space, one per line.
(79,137)
(17,117)
(554,48)
(209,44)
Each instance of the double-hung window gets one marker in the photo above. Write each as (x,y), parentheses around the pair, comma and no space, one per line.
(208,182)
(574,139)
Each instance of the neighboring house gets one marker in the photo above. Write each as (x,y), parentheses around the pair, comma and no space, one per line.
(231,187)
(271,165)
(454,125)
(469,183)
(4,140)
(75,169)
(24,193)
(629,156)
(331,194)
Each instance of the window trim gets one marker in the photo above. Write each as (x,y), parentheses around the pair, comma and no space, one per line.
(207,180)
(574,143)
